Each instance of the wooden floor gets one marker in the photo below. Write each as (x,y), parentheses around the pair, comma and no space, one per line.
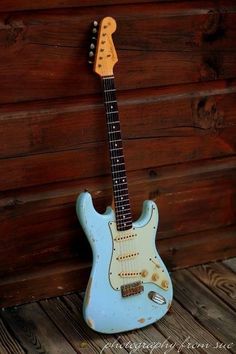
(201,320)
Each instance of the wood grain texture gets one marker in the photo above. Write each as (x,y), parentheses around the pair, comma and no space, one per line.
(215,244)
(35,332)
(186,328)
(66,314)
(231,264)
(43,280)
(176,93)
(85,162)
(53,55)
(8,344)
(182,328)
(54,233)
(13,5)
(56,278)
(205,306)
(38,127)
(221,281)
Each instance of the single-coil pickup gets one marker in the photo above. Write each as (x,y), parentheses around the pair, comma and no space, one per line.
(125,238)
(127,256)
(129,274)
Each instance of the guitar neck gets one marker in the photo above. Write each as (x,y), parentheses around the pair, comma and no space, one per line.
(119,178)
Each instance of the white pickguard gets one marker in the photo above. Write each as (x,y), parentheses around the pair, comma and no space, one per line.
(134,258)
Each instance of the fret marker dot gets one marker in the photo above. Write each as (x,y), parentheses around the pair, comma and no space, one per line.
(123,180)
(114,127)
(124,216)
(121,198)
(111,107)
(115,181)
(123,208)
(117,160)
(115,144)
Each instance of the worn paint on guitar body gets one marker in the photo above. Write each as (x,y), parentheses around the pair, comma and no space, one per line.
(105,310)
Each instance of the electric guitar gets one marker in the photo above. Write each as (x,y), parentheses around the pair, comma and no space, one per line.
(129,285)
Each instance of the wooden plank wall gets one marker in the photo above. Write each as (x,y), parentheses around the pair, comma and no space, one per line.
(176,82)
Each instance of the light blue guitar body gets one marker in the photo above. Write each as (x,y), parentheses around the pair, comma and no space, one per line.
(105,309)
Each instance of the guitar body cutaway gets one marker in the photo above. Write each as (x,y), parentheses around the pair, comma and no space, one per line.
(129,285)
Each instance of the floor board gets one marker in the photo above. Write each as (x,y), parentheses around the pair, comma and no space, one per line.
(201,320)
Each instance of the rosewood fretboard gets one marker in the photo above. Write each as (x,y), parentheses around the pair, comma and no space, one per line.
(119,178)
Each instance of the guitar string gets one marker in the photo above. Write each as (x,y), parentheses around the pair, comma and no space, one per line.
(109,86)
(108,97)
(125,244)
(119,194)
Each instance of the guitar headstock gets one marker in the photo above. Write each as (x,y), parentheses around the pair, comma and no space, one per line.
(102,48)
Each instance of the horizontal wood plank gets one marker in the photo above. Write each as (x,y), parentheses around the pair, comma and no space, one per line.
(38,127)
(54,232)
(43,280)
(205,306)
(180,252)
(66,313)
(55,58)
(13,5)
(8,344)
(221,281)
(170,27)
(37,335)
(57,278)
(230,263)
(182,328)
(86,162)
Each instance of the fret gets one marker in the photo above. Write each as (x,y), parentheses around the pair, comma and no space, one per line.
(112,141)
(124,201)
(111,112)
(124,212)
(109,90)
(124,223)
(113,132)
(119,171)
(121,190)
(124,228)
(115,121)
(110,101)
(108,77)
(125,220)
(117,158)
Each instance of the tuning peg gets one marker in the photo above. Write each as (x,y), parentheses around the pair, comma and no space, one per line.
(91,54)
(90,62)
(92,46)
(95,23)
(94,30)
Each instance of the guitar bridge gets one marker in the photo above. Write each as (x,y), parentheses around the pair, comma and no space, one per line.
(131,289)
